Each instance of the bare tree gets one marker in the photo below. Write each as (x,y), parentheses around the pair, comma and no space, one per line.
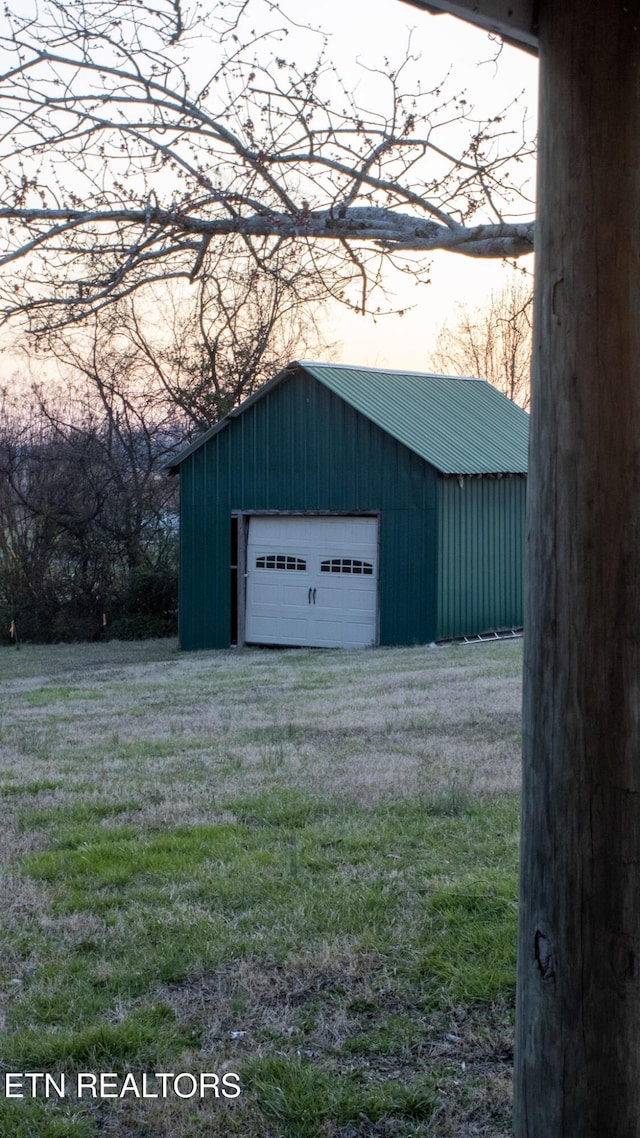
(122,160)
(492,342)
(205,353)
(28,539)
(84,506)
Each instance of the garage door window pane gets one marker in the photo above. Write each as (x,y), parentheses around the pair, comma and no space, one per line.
(347,565)
(280,561)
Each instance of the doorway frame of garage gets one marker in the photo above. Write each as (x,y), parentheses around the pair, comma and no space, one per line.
(239,519)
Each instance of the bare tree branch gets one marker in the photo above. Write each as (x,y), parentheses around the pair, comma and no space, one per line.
(124,154)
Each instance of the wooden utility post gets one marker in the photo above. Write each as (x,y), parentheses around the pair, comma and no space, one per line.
(578,1013)
(578,1034)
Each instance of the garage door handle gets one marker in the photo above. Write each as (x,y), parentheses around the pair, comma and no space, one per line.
(309,600)
(314,596)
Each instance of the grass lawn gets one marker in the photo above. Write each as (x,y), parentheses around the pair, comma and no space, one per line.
(298,867)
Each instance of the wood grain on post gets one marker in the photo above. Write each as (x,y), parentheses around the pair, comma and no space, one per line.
(578,1031)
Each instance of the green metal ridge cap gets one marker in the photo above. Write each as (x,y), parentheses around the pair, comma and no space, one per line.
(460,425)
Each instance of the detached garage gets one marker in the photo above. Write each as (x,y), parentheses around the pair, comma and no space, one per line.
(348,507)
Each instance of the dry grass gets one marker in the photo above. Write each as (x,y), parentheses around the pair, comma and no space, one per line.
(138,735)
(209,726)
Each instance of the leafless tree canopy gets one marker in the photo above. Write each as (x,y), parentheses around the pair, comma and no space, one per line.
(87,514)
(492,342)
(219,350)
(194,360)
(134,136)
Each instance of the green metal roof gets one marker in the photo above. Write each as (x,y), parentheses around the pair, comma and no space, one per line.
(460,426)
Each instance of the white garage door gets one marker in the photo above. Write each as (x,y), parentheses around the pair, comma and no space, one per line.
(312,581)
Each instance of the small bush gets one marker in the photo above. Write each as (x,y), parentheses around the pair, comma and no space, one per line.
(147,608)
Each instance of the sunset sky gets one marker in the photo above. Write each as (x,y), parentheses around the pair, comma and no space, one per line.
(369,30)
(365,35)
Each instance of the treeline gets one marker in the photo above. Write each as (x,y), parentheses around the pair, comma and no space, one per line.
(88,520)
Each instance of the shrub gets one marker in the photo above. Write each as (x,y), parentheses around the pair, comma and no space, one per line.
(147,607)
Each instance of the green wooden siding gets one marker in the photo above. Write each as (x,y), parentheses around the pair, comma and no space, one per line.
(480,555)
(301,448)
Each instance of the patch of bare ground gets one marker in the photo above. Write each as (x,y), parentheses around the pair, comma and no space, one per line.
(342,1012)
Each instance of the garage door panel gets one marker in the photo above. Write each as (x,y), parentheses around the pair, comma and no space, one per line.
(360,603)
(278,630)
(312,581)
(280,593)
(340,634)
(346,596)
(344,603)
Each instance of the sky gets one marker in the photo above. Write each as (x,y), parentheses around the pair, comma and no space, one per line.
(368,32)
(371,30)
